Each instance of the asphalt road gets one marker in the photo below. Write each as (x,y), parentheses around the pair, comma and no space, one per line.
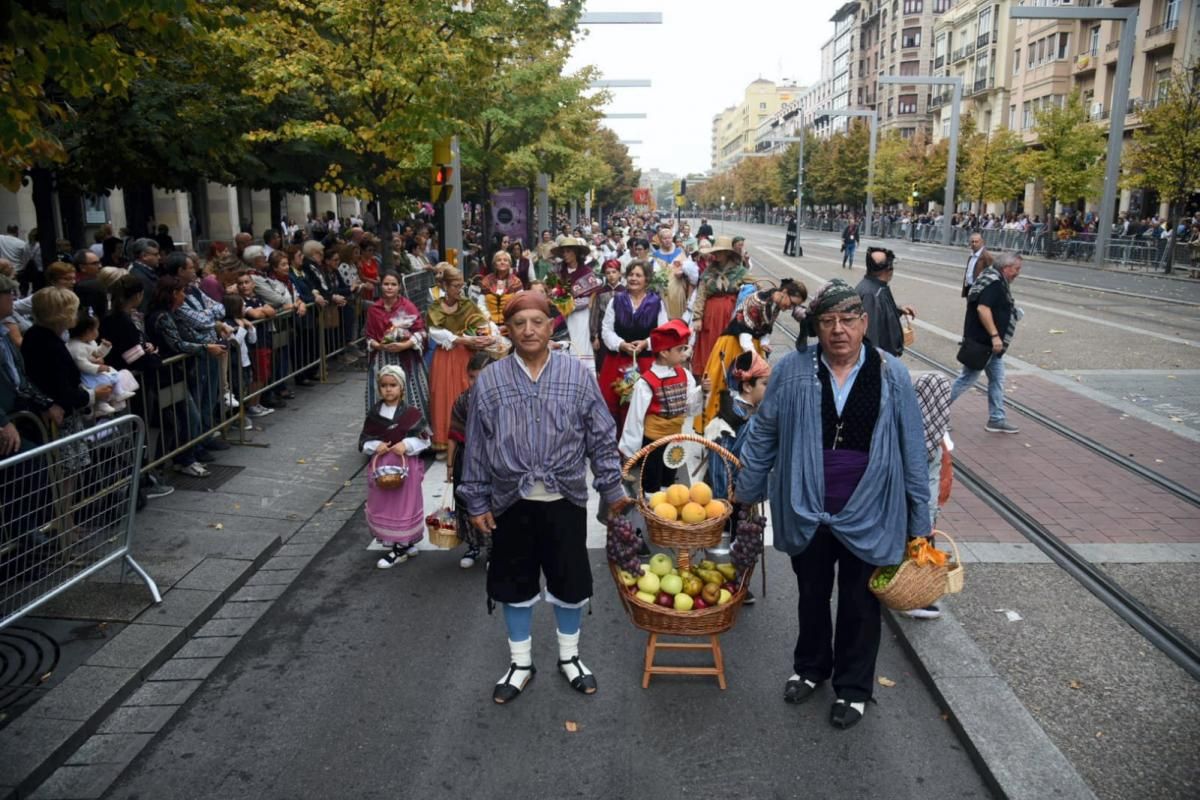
(367,683)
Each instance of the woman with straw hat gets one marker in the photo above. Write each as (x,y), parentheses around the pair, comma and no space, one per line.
(716,298)
(577,276)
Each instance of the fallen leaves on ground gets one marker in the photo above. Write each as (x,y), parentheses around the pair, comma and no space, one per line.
(888,682)
(572,726)
(1075,683)
(1055,331)
(220,526)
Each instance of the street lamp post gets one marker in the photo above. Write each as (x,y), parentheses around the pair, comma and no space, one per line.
(1120,102)
(955,83)
(722,214)
(873,119)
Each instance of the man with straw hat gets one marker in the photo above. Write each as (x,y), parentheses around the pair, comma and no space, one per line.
(851,496)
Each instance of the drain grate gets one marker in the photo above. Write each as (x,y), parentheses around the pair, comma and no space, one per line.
(27,659)
(218,476)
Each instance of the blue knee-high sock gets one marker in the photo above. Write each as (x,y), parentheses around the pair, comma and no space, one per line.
(519,621)
(568,619)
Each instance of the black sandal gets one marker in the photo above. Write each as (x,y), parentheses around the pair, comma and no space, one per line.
(508,691)
(797,690)
(583,682)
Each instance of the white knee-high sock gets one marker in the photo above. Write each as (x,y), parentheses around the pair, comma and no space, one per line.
(568,648)
(521,654)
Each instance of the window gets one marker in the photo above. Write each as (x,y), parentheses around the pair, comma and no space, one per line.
(1041,55)
(911,37)
(893,42)
(985,22)
(1094,47)
(1012,118)
(1017,61)
(1026,115)
(908,133)
(939,46)
(1064,39)
(1171,14)
(945,128)
(914,6)
(762,106)
(1162,82)
(981,67)
(1032,53)
(941,6)
(907,104)
(910,67)
(889,111)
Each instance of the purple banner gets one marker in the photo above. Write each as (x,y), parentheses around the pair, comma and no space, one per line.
(510,214)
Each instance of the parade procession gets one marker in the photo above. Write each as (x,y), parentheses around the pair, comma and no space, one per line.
(821,422)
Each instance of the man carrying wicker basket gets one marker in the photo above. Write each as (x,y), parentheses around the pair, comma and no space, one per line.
(838,446)
(536,421)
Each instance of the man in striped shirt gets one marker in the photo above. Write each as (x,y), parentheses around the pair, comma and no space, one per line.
(536,421)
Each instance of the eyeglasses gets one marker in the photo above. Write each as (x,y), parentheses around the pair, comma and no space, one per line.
(845,320)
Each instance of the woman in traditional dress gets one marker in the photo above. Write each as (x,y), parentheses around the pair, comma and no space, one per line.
(522,264)
(458,328)
(625,331)
(396,335)
(499,286)
(576,274)
(750,331)
(394,434)
(716,297)
(613,284)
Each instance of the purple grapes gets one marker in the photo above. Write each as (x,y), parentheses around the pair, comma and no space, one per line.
(622,545)
(748,545)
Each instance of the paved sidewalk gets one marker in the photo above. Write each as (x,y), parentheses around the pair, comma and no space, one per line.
(200,547)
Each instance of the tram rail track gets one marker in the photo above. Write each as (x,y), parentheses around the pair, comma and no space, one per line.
(1151,626)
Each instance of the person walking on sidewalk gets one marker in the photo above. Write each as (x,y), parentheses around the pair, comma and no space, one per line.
(991,322)
(850,496)
(979,260)
(850,239)
(536,421)
(394,434)
(883,315)
(789,241)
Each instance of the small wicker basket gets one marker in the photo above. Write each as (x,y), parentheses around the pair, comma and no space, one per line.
(388,477)
(659,619)
(918,586)
(676,534)
(909,333)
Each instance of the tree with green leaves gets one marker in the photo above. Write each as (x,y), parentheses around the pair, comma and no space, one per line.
(993,170)
(1069,154)
(1163,154)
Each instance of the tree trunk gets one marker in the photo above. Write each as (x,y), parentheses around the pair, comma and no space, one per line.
(70,212)
(485,205)
(43,206)
(276,204)
(387,261)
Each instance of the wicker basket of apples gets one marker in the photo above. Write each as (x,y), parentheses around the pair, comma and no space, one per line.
(670,595)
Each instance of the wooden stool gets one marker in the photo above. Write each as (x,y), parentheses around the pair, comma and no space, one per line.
(654,645)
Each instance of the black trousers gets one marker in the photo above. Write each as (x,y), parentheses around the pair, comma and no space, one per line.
(534,538)
(789,245)
(655,474)
(848,652)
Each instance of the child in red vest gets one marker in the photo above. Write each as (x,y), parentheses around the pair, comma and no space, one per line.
(661,402)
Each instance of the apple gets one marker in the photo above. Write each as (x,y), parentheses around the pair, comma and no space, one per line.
(648,583)
(726,596)
(683,602)
(644,568)
(665,600)
(626,577)
(671,584)
(711,592)
(661,564)
(730,586)
(700,603)
(645,597)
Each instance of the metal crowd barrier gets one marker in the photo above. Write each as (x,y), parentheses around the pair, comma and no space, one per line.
(66,512)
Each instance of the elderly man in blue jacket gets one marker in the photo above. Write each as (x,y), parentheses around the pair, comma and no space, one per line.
(838,447)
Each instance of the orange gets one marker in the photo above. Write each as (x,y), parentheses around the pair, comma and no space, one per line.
(666,511)
(714,509)
(701,493)
(692,512)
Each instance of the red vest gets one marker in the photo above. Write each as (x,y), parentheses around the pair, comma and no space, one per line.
(670,394)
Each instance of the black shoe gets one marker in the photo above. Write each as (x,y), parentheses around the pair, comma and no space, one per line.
(216,443)
(844,715)
(274,402)
(203,456)
(798,689)
(749,599)
(508,691)
(583,683)
(288,394)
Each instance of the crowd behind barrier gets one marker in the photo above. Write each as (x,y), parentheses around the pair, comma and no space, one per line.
(1145,250)
(66,511)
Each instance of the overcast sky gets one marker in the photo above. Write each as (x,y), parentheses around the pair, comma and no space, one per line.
(699,61)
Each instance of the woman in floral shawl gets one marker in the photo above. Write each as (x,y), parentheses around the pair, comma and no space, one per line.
(396,335)
(458,328)
(500,285)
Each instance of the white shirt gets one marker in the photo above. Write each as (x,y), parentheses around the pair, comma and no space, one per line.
(414,444)
(639,402)
(608,332)
(969,275)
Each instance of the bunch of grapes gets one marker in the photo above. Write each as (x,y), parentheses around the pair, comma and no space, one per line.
(884,576)
(748,545)
(623,545)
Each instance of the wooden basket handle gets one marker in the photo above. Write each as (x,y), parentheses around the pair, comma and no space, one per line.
(666,440)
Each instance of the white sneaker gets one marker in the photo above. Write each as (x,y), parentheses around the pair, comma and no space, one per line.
(397,555)
(231,401)
(258,411)
(249,426)
(928,612)
(103,409)
(194,470)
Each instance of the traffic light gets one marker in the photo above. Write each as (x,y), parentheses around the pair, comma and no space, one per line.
(915,193)
(683,186)
(441,174)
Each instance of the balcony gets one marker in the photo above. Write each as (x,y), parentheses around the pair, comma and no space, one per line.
(939,62)
(963,52)
(984,39)
(1160,36)
(1085,62)
(980,85)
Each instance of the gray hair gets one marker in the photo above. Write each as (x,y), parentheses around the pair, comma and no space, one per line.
(313,249)
(252,252)
(1005,260)
(140,246)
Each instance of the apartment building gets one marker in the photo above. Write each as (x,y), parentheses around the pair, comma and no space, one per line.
(903,45)
(1011,69)
(734,129)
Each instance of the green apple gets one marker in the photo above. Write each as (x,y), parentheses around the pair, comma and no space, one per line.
(724,598)
(671,584)
(661,564)
(627,578)
(649,584)
(683,602)
(645,597)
